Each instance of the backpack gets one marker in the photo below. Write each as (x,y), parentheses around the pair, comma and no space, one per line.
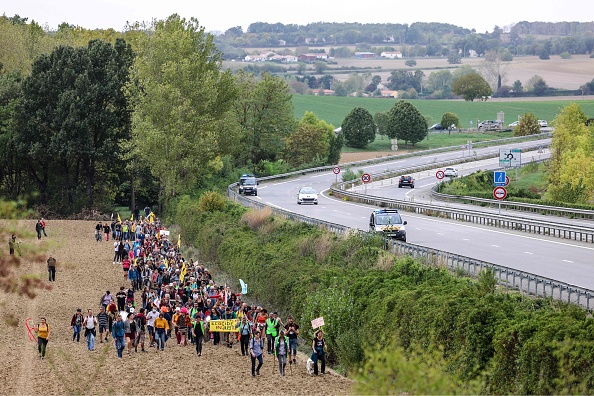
(139,323)
(78,320)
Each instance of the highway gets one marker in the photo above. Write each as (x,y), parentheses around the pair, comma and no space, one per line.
(566,261)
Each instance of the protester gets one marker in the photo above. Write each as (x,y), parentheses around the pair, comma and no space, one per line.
(43,333)
(90,323)
(121,299)
(229,315)
(150,321)
(199,332)
(106,230)
(140,321)
(318,346)
(103,324)
(272,324)
(106,299)
(292,331)
(51,268)
(12,244)
(256,351)
(244,335)
(281,348)
(161,328)
(98,231)
(39,228)
(118,334)
(76,323)
(43,224)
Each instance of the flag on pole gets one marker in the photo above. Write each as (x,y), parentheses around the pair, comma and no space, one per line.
(182,274)
(243,287)
(119,218)
(132,217)
(179,240)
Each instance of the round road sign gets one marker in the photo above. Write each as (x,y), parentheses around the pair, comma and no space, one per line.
(440,174)
(506,180)
(336,170)
(365,177)
(499,193)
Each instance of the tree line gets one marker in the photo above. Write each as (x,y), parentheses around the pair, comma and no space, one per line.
(145,119)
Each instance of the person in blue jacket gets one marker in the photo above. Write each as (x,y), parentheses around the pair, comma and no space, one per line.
(117,332)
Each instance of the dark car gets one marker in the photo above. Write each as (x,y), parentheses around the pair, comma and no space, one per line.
(248,186)
(406,181)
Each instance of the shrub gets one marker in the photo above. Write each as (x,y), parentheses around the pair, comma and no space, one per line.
(255,219)
(211,201)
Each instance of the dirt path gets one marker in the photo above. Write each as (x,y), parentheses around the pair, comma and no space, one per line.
(84,272)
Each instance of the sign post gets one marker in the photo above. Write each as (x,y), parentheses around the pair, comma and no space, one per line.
(510,157)
(366,178)
(499,193)
(440,174)
(336,171)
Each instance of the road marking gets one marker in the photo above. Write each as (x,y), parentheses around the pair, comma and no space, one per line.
(528,253)
(260,188)
(386,164)
(495,246)
(288,181)
(465,239)
(325,174)
(568,261)
(273,205)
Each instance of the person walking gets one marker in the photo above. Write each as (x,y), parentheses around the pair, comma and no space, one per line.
(318,346)
(229,315)
(140,321)
(244,335)
(43,224)
(90,323)
(103,321)
(281,349)
(161,327)
(98,231)
(76,323)
(292,331)
(256,351)
(38,228)
(199,333)
(271,331)
(51,268)
(43,333)
(12,244)
(117,332)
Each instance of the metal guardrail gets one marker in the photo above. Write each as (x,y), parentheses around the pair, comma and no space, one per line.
(519,206)
(508,277)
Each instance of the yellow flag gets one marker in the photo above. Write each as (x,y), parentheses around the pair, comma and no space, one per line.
(119,218)
(182,274)
(179,240)
(132,217)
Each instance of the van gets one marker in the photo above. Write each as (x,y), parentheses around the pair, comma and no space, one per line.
(490,125)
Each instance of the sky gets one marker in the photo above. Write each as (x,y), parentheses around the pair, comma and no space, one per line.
(215,16)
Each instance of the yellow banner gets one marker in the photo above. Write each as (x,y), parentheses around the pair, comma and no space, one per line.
(224,326)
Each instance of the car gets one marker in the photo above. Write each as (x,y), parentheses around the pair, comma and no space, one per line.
(436,127)
(490,125)
(389,223)
(307,195)
(407,181)
(513,124)
(543,123)
(249,186)
(451,172)
(243,177)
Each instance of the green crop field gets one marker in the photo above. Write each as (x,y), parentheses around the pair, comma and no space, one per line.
(333,109)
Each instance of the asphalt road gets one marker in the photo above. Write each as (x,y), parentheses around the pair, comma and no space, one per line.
(566,261)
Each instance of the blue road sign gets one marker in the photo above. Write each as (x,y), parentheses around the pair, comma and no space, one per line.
(499,179)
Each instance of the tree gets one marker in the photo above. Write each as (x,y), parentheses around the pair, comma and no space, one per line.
(410,63)
(528,125)
(539,86)
(571,169)
(471,86)
(358,128)
(309,143)
(381,120)
(264,113)
(70,121)
(406,123)
(454,58)
(588,88)
(181,102)
(448,120)
(544,52)
(440,82)
(320,67)
(517,87)
(495,67)
(403,80)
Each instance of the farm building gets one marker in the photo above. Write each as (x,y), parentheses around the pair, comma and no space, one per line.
(391,54)
(365,55)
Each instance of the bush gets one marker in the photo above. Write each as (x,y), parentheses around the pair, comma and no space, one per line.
(211,201)
(255,219)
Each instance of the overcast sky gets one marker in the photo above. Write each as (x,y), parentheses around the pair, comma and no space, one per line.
(219,16)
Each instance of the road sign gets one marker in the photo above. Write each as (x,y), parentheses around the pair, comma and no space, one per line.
(440,174)
(499,193)
(506,180)
(336,170)
(365,177)
(500,178)
(510,157)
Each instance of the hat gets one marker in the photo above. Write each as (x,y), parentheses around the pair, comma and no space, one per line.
(184,310)
(132,310)
(177,309)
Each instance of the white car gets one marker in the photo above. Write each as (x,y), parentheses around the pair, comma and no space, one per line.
(451,172)
(307,195)
(543,123)
(513,124)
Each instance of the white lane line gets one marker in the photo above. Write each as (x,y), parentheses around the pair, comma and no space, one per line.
(325,174)
(475,228)
(568,261)
(495,245)
(260,188)
(465,239)
(528,253)
(288,181)
(258,198)
(385,164)
(439,233)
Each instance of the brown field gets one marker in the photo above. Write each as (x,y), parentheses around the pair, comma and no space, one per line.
(557,72)
(84,272)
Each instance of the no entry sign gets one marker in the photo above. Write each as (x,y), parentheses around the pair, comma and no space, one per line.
(365,177)
(499,193)
(336,170)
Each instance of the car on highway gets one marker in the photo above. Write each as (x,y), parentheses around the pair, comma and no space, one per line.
(514,124)
(248,185)
(406,181)
(543,123)
(307,195)
(389,223)
(436,127)
(451,172)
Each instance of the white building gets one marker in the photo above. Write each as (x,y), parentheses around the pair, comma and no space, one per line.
(391,54)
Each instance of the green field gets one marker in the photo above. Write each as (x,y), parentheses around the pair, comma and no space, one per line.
(333,109)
